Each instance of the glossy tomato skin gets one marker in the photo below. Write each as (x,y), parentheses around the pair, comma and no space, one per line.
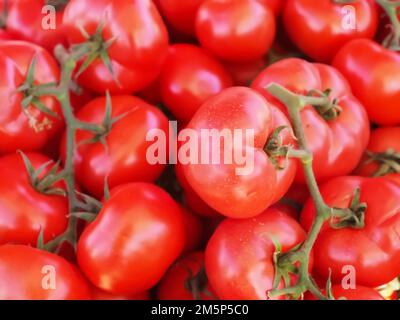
(308,20)
(374,75)
(221,185)
(25,211)
(98,294)
(239,255)
(18,132)
(189,77)
(174,284)
(337,145)
(139,231)
(373,251)
(138,51)
(275,5)
(23,272)
(4,35)
(235,43)
(359,293)
(124,159)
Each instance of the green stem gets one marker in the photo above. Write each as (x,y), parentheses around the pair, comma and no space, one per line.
(391,9)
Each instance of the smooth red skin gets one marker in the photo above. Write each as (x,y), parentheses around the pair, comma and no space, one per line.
(337,145)
(374,75)
(172,285)
(97,294)
(194,231)
(241,196)
(4,35)
(275,5)
(24,22)
(243,73)
(25,211)
(138,52)
(308,20)
(16,133)
(189,78)
(138,234)
(359,293)
(382,140)
(181,14)
(374,251)
(21,276)
(239,30)
(124,160)
(239,256)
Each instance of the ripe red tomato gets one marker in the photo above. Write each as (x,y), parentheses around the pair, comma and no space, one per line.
(186,280)
(275,5)
(32,129)
(189,77)
(181,14)
(220,185)
(374,75)
(359,293)
(30,22)
(24,211)
(383,142)
(248,29)
(337,144)
(98,294)
(194,231)
(373,251)
(140,45)
(239,255)
(27,274)
(4,35)
(138,234)
(321,28)
(124,158)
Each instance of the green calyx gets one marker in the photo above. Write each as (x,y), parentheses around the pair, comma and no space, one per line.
(275,149)
(197,284)
(326,107)
(389,162)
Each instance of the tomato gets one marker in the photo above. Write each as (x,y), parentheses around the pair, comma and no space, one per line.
(27,20)
(374,75)
(138,234)
(98,294)
(24,211)
(139,48)
(329,22)
(275,5)
(359,293)
(243,73)
(383,142)
(32,129)
(186,280)
(181,14)
(239,256)
(219,183)
(248,29)
(4,35)
(194,231)
(189,77)
(123,159)
(28,274)
(337,144)
(373,251)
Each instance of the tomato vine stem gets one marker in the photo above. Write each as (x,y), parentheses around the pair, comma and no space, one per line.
(391,8)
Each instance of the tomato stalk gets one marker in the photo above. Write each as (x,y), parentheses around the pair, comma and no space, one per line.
(391,8)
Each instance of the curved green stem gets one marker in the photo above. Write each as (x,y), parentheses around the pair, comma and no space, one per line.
(391,9)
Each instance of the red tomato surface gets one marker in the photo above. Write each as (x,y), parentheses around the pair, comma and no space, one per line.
(320,28)
(374,75)
(359,293)
(25,274)
(140,45)
(337,145)
(194,231)
(239,255)
(98,294)
(243,73)
(275,5)
(373,251)
(235,30)
(138,234)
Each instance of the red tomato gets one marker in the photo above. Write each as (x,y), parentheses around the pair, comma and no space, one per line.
(29,131)
(337,144)
(124,159)
(359,293)
(24,211)
(189,77)
(136,237)
(275,5)
(219,185)
(140,45)
(320,28)
(4,35)
(98,294)
(235,30)
(194,231)
(31,21)
(239,255)
(373,251)
(27,274)
(186,280)
(374,75)
(181,14)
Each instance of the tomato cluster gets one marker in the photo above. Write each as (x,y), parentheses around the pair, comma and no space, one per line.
(90,209)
